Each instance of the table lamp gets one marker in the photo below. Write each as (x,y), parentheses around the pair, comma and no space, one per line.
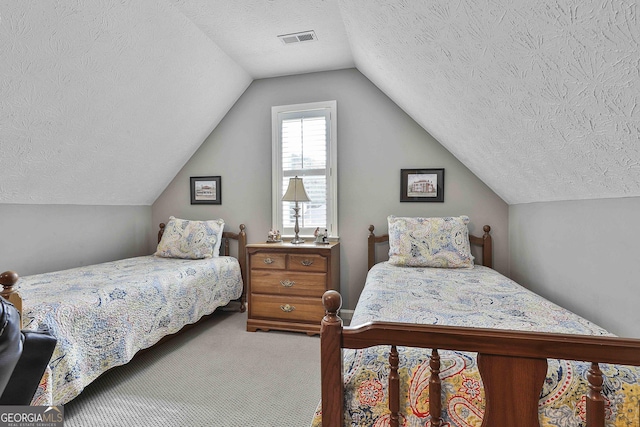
(296,193)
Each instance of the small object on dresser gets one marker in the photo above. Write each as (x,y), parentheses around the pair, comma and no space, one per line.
(274,236)
(321,238)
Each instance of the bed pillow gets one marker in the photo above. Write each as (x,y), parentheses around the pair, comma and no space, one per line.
(430,242)
(188,239)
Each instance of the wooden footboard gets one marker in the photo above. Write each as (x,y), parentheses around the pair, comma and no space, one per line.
(512,364)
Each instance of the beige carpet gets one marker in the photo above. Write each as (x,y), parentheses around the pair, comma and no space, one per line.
(215,374)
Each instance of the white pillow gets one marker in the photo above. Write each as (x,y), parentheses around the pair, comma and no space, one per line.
(188,239)
(430,242)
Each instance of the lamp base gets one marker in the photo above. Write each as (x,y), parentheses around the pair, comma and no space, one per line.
(296,239)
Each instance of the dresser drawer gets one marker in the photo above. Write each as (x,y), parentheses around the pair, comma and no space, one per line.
(275,261)
(307,262)
(288,283)
(286,308)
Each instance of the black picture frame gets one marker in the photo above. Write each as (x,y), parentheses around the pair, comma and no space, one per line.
(422,185)
(206,190)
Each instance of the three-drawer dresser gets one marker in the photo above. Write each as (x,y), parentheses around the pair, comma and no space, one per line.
(286,283)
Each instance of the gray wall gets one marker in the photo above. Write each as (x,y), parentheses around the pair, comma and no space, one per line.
(582,255)
(375,140)
(43,238)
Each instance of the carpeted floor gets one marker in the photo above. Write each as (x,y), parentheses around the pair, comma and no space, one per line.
(215,374)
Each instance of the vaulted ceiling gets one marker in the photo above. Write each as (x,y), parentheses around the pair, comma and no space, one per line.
(103,101)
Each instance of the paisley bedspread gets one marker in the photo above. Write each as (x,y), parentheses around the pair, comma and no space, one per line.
(479,297)
(103,314)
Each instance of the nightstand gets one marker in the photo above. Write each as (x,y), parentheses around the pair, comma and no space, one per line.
(286,283)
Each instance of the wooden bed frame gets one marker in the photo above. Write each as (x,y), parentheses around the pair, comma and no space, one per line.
(512,364)
(9,279)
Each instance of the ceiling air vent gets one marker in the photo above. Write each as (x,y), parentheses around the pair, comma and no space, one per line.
(305,36)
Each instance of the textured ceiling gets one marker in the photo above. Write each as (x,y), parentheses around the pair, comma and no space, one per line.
(103,101)
(538,98)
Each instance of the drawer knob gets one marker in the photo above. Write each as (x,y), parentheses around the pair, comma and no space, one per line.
(287,283)
(306,262)
(268,261)
(287,308)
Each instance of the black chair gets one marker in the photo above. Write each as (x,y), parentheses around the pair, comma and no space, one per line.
(24,356)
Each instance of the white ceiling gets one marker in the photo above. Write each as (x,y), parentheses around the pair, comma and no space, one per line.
(538,99)
(247,31)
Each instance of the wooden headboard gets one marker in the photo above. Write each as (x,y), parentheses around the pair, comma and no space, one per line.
(484,242)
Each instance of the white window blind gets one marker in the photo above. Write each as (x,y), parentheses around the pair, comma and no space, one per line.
(304,146)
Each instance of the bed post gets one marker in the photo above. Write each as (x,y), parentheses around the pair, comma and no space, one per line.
(8,279)
(595,400)
(371,245)
(371,242)
(394,387)
(435,390)
(487,248)
(161,231)
(331,357)
(242,260)
(241,237)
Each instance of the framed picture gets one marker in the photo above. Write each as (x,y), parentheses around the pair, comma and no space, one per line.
(422,185)
(205,190)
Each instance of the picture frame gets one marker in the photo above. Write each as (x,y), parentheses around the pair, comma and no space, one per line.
(206,190)
(422,185)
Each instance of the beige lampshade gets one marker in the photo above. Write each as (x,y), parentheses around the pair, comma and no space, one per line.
(295,191)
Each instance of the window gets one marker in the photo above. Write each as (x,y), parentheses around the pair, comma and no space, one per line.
(304,145)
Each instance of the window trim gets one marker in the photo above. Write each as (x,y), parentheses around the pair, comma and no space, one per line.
(276,162)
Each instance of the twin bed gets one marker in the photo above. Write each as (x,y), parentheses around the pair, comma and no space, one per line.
(436,341)
(103,314)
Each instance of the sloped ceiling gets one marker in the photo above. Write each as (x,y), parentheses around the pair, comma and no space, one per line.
(538,98)
(103,101)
